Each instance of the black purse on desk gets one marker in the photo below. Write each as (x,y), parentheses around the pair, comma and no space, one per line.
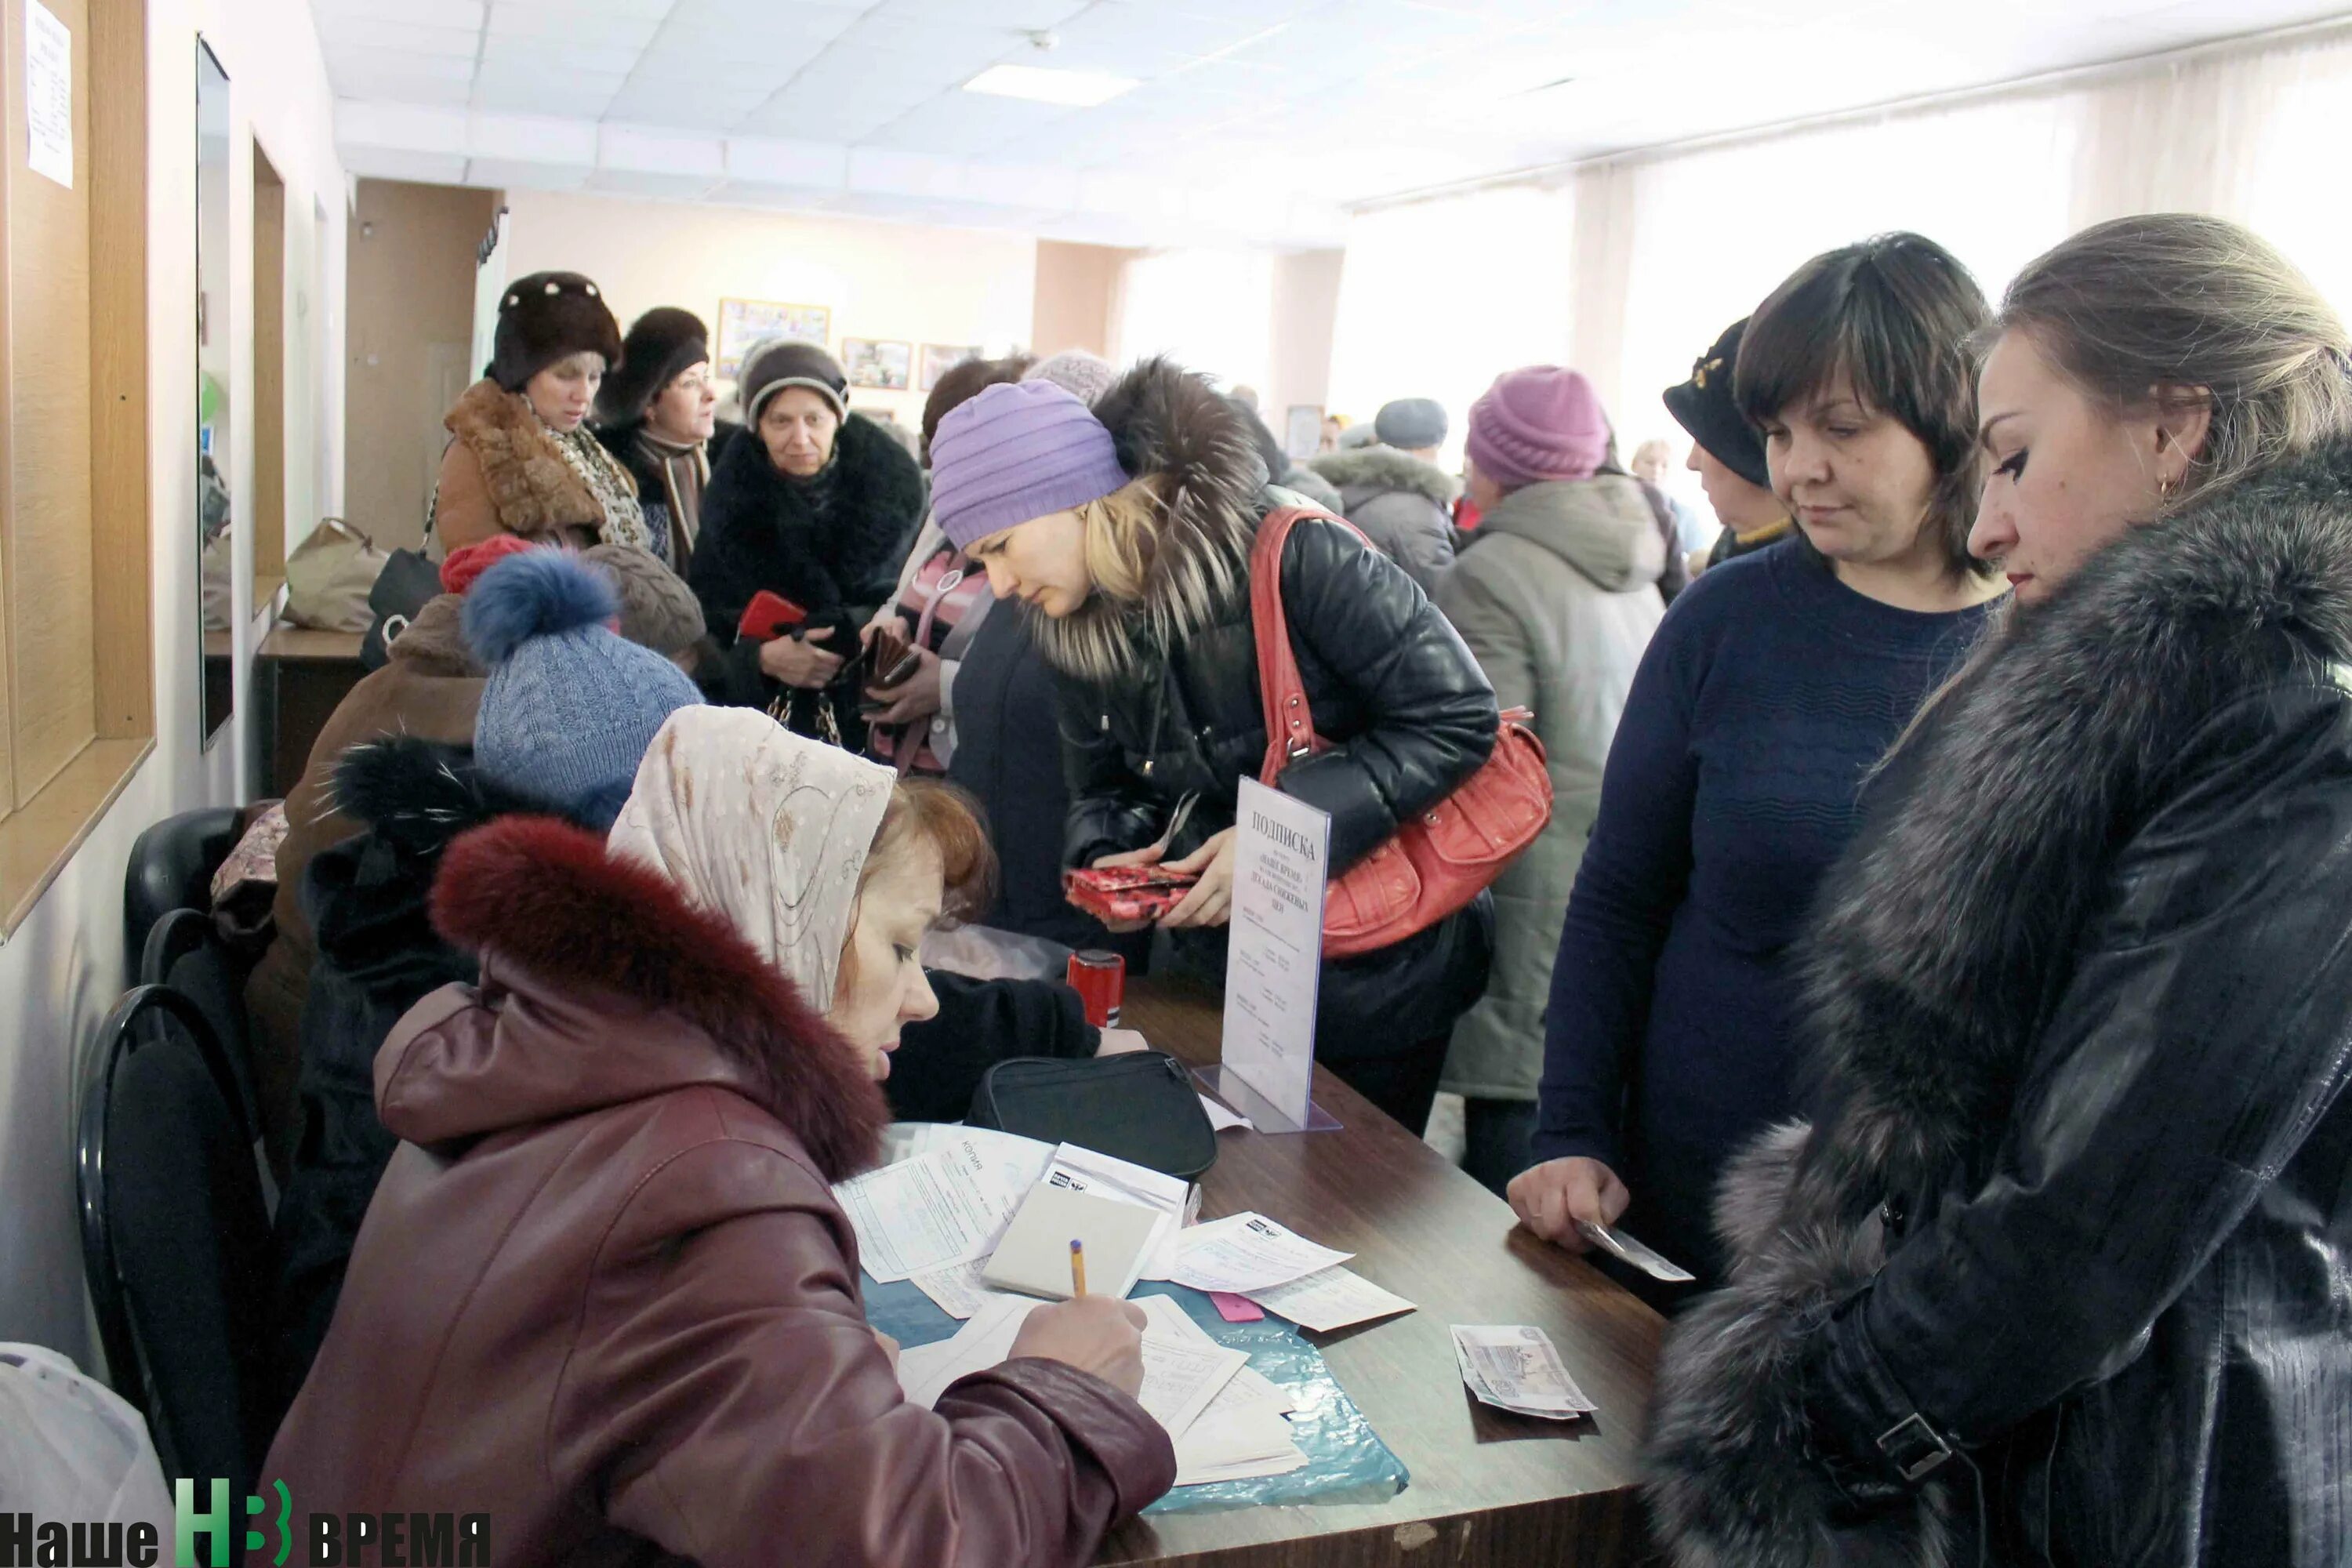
(1139,1106)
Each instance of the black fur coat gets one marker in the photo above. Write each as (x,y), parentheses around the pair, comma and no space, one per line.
(2070,1237)
(832,544)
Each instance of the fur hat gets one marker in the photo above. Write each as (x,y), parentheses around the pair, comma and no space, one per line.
(661,344)
(550,316)
(779,363)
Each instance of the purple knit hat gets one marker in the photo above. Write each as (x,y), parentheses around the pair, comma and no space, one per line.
(1015,452)
(1540,423)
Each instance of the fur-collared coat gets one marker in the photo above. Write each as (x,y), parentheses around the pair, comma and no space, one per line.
(606,1295)
(2075,1206)
(1160,699)
(831,543)
(503,473)
(1404,505)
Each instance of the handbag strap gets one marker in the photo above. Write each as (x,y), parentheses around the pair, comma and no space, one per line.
(1282,691)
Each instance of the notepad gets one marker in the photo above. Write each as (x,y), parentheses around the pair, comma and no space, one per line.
(1034,1257)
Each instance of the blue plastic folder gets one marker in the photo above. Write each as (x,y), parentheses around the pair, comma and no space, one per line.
(1346,1460)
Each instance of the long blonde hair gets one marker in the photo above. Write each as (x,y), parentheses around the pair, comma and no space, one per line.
(1121,535)
(2183,307)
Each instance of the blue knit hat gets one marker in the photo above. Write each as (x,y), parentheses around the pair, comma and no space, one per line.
(571,705)
(1017,451)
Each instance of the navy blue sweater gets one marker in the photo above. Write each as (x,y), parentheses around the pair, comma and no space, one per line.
(1762,703)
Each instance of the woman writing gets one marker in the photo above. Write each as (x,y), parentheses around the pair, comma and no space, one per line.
(1775,684)
(817,507)
(1126,534)
(604,1293)
(520,458)
(2063,1249)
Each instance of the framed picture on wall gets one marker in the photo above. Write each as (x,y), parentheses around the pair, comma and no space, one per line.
(940,358)
(744,322)
(1302,430)
(878,363)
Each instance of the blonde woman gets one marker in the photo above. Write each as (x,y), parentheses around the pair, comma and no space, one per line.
(1125,533)
(2056,1274)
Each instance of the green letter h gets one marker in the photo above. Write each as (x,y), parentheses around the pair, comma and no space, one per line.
(187,1523)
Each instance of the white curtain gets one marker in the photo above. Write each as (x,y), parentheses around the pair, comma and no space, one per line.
(1437,298)
(1211,310)
(1632,269)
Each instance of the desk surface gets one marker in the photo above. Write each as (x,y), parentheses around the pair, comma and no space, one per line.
(288,641)
(1487,1486)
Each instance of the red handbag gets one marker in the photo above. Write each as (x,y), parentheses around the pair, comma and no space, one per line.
(1454,850)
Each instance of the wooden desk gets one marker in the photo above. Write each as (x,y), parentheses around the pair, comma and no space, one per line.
(300,677)
(1487,1486)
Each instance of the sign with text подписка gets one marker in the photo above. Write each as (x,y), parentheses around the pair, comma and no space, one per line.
(1275,962)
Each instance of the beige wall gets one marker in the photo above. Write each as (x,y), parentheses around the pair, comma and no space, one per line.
(1306,306)
(412,326)
(1076,297)
(64,966)
(901,282)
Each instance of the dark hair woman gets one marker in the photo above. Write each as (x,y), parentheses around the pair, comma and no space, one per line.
(657,413)
(816,506)
(2056,1272)
(1126,531)
(1776,683)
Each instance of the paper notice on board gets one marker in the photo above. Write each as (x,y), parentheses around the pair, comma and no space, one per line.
(48,95)
(1275,959)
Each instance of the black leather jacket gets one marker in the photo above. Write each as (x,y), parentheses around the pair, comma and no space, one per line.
(1163,701)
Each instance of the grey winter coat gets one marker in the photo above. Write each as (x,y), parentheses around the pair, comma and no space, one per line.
(1404,505)
(1556,596)
(2067,1246)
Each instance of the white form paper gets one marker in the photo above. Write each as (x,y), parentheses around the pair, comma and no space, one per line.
(1242,1432)
(1220,1118)
(49,94)
(1330,1299)
(1180,1375)
(1245,1253)
(957,1288)
(943,1207)
(1079,1170)
(1274,955)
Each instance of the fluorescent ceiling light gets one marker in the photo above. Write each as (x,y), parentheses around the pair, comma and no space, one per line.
(1079,89)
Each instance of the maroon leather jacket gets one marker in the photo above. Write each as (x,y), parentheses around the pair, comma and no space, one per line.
(604,1294)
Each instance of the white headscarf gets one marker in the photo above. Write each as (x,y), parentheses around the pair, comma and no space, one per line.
(766,828)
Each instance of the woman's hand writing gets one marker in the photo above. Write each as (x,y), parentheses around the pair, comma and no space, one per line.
(1099,1334)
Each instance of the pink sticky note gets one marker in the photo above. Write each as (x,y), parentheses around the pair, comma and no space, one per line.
(1236,1308)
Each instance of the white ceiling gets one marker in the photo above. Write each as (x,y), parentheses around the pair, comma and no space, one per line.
(1257,121)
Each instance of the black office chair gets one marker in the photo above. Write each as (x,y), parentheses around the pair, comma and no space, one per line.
(175,1238)
(185,951)
(172,868)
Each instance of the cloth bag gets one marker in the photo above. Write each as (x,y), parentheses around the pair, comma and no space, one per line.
(1433,867)
(328,576)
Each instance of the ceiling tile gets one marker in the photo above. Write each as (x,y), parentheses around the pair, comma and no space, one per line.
(641,183)
(929,37)
(963,124)
(687,69)
(661,103)
(402,37)
(987,13)
(514,175)
(655,9)
(405,90)
(464,15)
(392,164)
(593,30)
(385,64)
(1143,39)
(576,95)
(554,57)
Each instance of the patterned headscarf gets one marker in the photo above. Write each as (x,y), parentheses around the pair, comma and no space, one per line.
(768,828)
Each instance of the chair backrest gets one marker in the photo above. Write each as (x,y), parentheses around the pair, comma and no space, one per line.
(176,1238)
(185,951)
(171,867)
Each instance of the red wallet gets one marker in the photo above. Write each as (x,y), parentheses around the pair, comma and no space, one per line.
(768,617)
(1121,893)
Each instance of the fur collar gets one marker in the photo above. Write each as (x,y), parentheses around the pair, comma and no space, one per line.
(419,795)
(533,489)
(1387,468)
(550,900)
(1167,422)
(2043,758)
(842,526)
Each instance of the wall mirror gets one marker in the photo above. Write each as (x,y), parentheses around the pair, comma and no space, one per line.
(214,508)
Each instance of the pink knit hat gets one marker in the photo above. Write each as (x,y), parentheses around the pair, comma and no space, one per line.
(1540,423)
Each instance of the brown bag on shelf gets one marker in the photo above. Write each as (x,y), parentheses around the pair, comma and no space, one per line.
(329,575)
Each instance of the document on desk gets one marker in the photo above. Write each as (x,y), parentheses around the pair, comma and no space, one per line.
(1079,1170)
(958,1290)
(940,1208)
(1246,1253)
(1330,1298)
(1182,1374)
(1241,1433)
